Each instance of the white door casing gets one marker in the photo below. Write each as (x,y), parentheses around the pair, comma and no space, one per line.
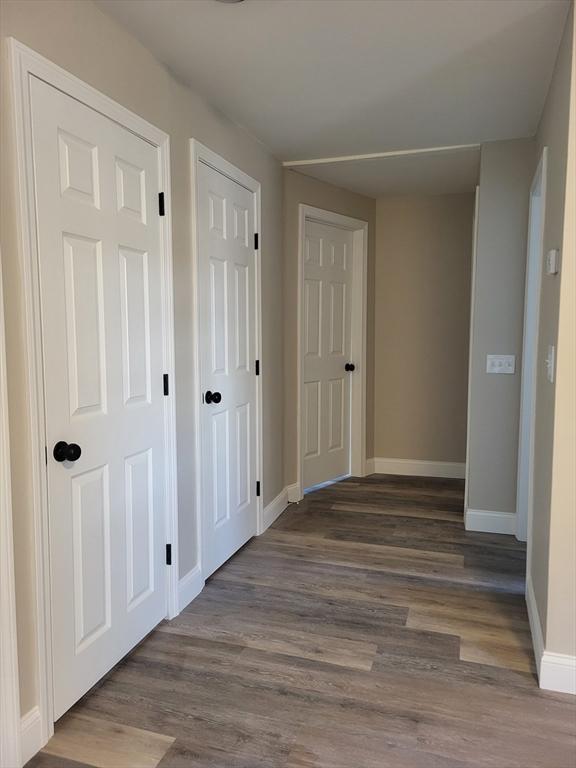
(228,340)
(534,259)
(97,188)
(332,333)
(10,748)
(326,350)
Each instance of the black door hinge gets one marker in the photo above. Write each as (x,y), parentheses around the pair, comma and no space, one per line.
(168,554)
(257,367)
(161,211)
(46,454)
(166,385)
(256,246)
(257,487)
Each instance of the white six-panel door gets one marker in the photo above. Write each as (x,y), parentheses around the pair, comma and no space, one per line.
(100,281)
(227,350)
(326,334)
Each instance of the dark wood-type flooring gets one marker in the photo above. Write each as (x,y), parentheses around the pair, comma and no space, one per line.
(365,629)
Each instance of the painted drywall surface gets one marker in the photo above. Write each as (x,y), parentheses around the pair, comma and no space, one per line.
(79,37)
(506,169)
(422,311)
(298,189)
(553,560)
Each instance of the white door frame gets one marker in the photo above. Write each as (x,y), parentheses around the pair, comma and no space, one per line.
(202,154)
(359,229)
(10,752)
(470,340)
(534,268)
(25,64)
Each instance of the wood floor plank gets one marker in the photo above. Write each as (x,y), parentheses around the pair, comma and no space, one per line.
(366,629)
(106,744)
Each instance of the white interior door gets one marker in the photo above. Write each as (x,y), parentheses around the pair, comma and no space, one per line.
(227,335)
(326,334)
(100,283)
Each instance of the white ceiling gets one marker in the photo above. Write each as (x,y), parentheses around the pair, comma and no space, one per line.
(316,78)
(440,173)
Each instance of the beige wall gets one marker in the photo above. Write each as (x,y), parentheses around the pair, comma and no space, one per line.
(422,312)
(553,566)
(506,169)
(76,35)
(299,188)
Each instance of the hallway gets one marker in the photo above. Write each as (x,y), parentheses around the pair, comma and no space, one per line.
(365,629)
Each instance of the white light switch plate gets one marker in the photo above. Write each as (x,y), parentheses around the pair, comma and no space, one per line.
(500,363)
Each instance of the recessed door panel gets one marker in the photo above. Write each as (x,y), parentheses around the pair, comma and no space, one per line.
(85,324)
(241,224)
(312,403)
(219,316)
(313,251)
(138,474)
(336,388)
(243,469)
(91,543)
(131,190)
(312,317)
(134,290)
(221,467)
(78,160)
(242,330)
(337,318)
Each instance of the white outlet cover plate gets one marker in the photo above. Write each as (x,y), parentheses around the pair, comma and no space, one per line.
(500,363)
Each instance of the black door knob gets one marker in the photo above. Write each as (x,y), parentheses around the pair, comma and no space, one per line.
(349,367)
(66,451)
(212,397)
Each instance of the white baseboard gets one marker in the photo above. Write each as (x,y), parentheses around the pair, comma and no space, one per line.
(415,467)
(485,521)
(294,493)
(556,671)
(189,587)
(31,734)
(273,510)
(369,467)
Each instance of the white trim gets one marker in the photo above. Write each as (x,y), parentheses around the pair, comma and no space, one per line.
(535,623)
(294,493)
(10,753)
(200,153)
(24,64)
(377,155)
(470,343)
(359,229)
(527,421)
(189,587)
(416,467)
(31,732)
(487,521)
(273,510)
(370,466)
(558,672)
